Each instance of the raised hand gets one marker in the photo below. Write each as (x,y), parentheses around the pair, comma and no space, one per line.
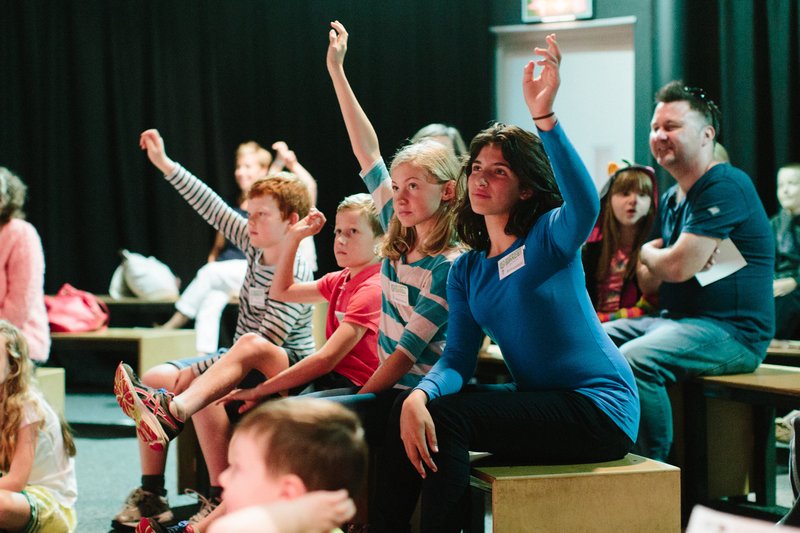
(151,141)
(310,225)
(337,45)
(540,91)
(283,153)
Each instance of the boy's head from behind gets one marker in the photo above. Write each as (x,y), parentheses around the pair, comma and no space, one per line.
(358,232)
(285,448)
(275,203)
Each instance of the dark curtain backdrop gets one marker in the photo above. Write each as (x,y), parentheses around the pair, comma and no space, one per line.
(79,80)
(745,54)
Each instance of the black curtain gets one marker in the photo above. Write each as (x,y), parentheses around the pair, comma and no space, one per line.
(753,72)
(79,80)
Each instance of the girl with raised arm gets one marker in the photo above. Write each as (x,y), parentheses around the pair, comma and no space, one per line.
(573,398)
(414,197)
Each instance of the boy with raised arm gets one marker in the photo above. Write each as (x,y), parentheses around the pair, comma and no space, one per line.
(274,205)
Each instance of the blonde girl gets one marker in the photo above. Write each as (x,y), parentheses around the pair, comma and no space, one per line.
(37,488)
(415,198)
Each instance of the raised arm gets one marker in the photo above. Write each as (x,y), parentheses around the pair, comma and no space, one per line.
(574,220)
(288,159)
(151,141)
(284,287)
(362,135)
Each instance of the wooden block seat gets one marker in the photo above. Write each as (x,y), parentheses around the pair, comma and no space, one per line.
(754,397)
(631,494)
(52,384)
(142,347)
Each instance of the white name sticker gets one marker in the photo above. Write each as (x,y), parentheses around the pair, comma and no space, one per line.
(512,262)
(398,293)
(258,297)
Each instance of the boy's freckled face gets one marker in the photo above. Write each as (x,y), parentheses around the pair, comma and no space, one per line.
(265,225)
(247,481)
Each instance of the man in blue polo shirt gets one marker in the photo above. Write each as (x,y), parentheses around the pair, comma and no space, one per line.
(721,327)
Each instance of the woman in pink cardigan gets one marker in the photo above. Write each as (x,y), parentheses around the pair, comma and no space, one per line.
(22,269)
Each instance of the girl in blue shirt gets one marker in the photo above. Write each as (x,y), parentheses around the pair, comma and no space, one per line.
(573,397)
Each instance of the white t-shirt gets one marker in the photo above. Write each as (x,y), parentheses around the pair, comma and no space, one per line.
(52,467)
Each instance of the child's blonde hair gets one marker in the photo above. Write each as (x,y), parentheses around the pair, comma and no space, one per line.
(251,147)
(290,193)
(16,392)
(363,204)
(320,441)
(441,166)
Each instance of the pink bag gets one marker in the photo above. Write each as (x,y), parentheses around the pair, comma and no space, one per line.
(72,310)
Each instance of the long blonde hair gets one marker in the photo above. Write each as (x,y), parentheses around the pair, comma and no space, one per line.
(441,166)
(16,392)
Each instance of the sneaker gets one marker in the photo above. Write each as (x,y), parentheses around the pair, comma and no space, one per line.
(207,506)
(142,504)
(148,407)
(148,525)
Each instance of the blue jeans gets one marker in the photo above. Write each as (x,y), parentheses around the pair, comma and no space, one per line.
(664,351)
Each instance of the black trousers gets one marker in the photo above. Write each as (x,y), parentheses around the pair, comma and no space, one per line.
(554,427)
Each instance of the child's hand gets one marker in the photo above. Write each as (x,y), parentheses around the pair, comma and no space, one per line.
(337,45)
(283,153)
(151,141)
(310,225)
(250,397)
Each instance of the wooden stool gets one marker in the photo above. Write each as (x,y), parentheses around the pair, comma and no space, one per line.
(51,383)
(759,394)
(148,346)
(632,494)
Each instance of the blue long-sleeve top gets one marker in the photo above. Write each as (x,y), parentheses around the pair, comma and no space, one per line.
(540,315)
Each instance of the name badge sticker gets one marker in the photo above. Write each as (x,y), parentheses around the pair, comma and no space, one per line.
(258,297)
(398,293)
(512,262)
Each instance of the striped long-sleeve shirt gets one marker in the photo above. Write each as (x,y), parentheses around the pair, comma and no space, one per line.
(284,324)
(414,302)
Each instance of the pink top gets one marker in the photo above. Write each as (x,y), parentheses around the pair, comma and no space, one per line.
(22,285)
(356,300)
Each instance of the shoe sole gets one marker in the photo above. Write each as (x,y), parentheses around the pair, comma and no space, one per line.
(165,518)
(148,428)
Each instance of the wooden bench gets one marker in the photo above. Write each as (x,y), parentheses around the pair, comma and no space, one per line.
(143,348)
(129,312)
(752,399)
(632,494)
(52,385)
(783,352)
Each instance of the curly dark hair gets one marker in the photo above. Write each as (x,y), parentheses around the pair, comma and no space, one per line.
(12,196)
(524,153)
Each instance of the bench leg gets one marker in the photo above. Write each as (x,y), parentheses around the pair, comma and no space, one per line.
(764,450)
(696,471)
